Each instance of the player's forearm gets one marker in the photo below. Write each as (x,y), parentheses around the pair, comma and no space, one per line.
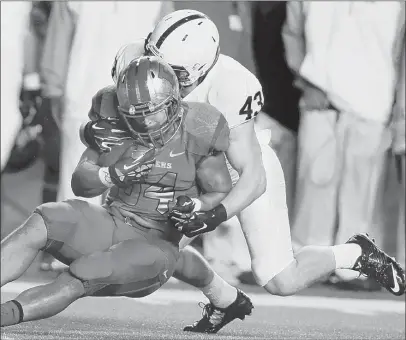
(251,185)
(211,200)
(87,180)
(293,35)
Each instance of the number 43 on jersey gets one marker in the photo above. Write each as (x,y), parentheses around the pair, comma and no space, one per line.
(252,106)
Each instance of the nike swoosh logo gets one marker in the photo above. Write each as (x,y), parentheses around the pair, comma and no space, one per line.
(98,128)
(396,287)
(171,154)
(130,166)
(202,228)
(165,274)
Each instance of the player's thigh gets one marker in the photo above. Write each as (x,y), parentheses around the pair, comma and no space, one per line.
(265,224)
(75,228)
(134,268)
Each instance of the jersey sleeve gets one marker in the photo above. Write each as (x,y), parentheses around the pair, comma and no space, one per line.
(207,129)
(104,104)
(220,138)
(237,94)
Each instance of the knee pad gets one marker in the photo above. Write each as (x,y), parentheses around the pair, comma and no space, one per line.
(92,267)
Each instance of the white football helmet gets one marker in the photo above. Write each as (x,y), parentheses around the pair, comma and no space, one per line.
(187,40)
(124,56)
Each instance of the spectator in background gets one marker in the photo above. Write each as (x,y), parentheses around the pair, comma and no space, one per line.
(82,40)
(343,55)
(281,97)
(14,27)
(398,148)
(50,131)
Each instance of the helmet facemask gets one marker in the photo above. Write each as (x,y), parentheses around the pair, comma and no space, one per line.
(187,76)
(153,127)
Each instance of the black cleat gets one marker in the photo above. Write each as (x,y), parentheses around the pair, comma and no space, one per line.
(215,318)
(377,265)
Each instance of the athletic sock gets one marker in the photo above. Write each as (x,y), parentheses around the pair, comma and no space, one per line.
(346,255)
(219,292)
(11,313)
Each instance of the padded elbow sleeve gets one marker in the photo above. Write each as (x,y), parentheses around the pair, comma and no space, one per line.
(84,134)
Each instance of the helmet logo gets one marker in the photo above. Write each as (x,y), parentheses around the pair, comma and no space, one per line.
(131,110)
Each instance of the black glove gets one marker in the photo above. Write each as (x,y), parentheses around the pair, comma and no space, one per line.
(103,134)
(183,209)
(195,223)
(133,166)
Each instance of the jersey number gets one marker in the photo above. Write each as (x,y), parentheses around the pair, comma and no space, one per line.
(163,193)
(247,107)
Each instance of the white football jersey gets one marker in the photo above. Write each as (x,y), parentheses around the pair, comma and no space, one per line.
(231,89)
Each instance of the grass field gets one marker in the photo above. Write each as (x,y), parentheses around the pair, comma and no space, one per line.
(163,315)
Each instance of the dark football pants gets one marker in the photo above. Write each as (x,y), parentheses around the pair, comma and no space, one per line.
(112,258)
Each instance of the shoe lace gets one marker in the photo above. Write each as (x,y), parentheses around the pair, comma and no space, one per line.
(376,265)
(211,313)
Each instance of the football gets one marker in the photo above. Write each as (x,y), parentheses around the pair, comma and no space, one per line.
(213,175)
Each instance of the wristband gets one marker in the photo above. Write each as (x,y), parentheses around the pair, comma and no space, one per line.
(219,214)
(198,204)
(105,178)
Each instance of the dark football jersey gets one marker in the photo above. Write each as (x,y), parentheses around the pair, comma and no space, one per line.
(203,131)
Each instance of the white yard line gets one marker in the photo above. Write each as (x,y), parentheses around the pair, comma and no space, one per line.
(166,296)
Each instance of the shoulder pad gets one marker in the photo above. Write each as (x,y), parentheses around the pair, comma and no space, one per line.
(104,103)
(207,129)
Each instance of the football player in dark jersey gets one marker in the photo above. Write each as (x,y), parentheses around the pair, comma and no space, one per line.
(158,150)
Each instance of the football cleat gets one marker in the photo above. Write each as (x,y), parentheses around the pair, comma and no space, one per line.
(215,318)
(376,264)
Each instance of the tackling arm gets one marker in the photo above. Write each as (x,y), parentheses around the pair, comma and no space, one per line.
(244,154)
(214,181)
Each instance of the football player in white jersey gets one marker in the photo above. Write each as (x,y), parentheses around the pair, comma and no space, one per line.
(189,41)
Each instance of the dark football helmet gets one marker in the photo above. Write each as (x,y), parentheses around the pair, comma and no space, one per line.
(149,100)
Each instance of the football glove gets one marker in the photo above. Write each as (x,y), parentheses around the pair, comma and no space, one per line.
(191,223)
(183,209)
(103,134)
(133,166)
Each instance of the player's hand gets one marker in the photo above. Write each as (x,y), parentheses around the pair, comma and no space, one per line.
(183,209)
(133,166)
(103,134)
(200,222)
(313,99)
